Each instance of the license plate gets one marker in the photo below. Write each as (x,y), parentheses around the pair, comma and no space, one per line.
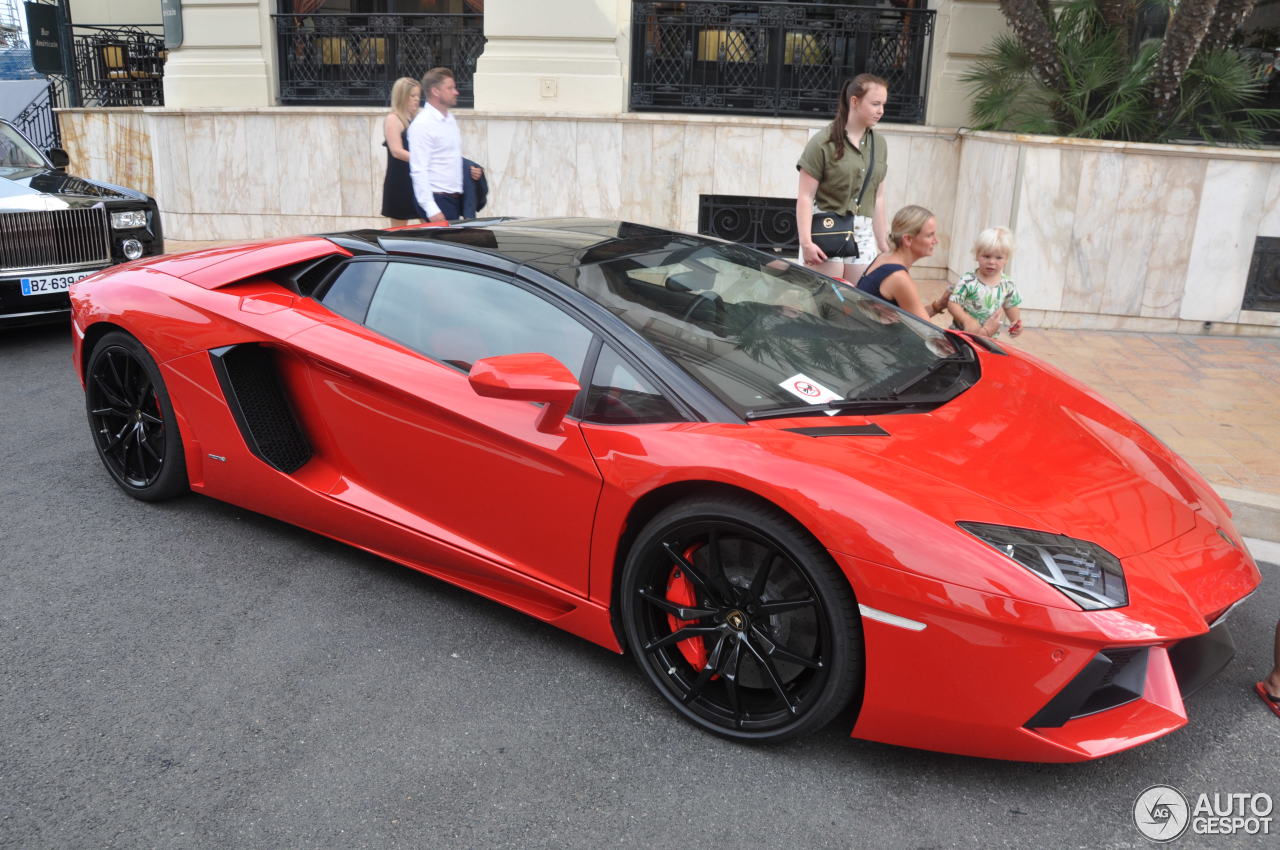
(52,283)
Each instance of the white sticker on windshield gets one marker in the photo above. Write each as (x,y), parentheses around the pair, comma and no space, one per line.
(807,389)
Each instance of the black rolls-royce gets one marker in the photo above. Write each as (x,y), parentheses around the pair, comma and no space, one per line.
(56,228)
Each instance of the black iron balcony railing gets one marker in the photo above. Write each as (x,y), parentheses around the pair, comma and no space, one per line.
(37,121)
(354,59)
(119,65)
(779,59)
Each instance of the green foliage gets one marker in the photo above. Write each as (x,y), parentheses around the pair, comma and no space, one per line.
(1105,94)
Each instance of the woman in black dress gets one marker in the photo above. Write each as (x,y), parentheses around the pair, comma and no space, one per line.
(397,187)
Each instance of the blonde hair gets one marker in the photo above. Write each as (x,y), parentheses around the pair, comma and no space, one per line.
(908,222)
(401,95)
(994,240)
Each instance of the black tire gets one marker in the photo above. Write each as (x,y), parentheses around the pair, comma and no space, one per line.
(776,621)
(132,420)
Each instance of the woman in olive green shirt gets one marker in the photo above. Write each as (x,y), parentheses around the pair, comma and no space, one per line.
(832,170)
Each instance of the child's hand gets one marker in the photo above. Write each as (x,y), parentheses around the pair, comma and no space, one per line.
(1015,328)
(991,326)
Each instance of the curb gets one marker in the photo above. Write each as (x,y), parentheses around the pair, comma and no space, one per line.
(1255,514)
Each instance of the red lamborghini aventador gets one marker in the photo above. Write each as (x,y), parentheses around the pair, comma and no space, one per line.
(790,503)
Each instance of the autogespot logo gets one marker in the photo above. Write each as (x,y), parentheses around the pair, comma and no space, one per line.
(1161,813)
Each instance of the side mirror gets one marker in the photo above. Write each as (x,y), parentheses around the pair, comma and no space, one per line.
(58,157)
(528,377)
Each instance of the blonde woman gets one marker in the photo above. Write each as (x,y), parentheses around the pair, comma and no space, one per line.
(913,235)
(397,187)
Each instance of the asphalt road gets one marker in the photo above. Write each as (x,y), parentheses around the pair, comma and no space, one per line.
(194,675)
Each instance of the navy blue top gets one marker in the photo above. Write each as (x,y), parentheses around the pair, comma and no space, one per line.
(870,282)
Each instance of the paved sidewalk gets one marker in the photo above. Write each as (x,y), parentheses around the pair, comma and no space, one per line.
(1214,399)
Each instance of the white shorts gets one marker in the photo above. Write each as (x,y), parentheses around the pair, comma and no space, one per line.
(865,236)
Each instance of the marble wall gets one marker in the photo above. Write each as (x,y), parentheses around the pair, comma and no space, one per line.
(1124,236)
(1109,235)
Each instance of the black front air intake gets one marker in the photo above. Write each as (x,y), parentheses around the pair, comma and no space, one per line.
(251,382)
(1197,660)
(1112,678)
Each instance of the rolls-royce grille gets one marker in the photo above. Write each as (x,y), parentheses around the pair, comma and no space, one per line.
(57,238)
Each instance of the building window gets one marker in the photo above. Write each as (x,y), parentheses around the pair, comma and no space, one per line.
(778,59)
(1262,289)
(349,52)
(767,224)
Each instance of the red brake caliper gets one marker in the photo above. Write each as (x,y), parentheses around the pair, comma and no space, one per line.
(680,591)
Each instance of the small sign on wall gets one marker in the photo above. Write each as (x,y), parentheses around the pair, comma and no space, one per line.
(44,32)
(171,16)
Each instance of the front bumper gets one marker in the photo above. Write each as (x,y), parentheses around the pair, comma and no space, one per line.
(972,673)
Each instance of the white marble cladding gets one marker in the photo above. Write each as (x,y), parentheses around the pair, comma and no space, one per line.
(1139,237)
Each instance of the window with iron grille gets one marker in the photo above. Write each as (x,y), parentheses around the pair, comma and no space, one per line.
(1262,289)
(350,52)
(768,224)
(777,58)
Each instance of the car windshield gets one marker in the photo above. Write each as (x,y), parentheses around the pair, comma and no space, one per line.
(16,153)
(772,338)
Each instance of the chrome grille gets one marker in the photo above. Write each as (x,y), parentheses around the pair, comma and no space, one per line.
(54,238)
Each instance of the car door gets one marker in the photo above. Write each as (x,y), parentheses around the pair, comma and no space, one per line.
(415,443)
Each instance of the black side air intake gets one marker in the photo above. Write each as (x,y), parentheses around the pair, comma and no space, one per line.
(251,383)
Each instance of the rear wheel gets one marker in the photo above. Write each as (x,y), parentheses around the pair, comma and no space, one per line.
(741,620)
(134,428)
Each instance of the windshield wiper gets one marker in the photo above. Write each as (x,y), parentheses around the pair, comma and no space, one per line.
(901,385)
(849,405)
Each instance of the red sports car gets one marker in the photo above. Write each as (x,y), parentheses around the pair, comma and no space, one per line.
(789,502)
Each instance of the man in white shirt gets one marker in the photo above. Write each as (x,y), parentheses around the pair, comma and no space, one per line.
(435,150)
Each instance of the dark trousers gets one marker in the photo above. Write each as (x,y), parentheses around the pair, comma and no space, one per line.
(450,205)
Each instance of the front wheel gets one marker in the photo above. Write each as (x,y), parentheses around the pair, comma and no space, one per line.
(741,620)
(132,419)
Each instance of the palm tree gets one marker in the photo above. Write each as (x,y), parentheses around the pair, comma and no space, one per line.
(1083,72)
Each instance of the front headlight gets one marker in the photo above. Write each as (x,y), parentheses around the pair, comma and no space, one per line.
(129,220)
(1088,574)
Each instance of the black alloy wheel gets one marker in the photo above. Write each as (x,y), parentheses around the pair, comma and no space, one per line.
(741,620)
(133,424)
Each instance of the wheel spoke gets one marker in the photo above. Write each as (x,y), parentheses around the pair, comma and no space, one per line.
(773,649)
(149,418)
(115,371)
(708,670)
(679,635)
(141,469)
(782,605)
(118,404)
(771,672)
(761,577)
(145,441)
(715,569)
(144,393)
(729,672)
(690,571)
(669,607)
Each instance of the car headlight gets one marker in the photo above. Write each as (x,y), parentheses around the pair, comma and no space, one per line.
(129,219)
(1085,572)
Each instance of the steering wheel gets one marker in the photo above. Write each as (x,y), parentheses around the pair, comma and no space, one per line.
(705,297)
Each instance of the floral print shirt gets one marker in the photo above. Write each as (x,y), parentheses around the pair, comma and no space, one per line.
(982,301)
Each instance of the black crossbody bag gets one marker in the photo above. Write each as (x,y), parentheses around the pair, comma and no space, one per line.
(834,233)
